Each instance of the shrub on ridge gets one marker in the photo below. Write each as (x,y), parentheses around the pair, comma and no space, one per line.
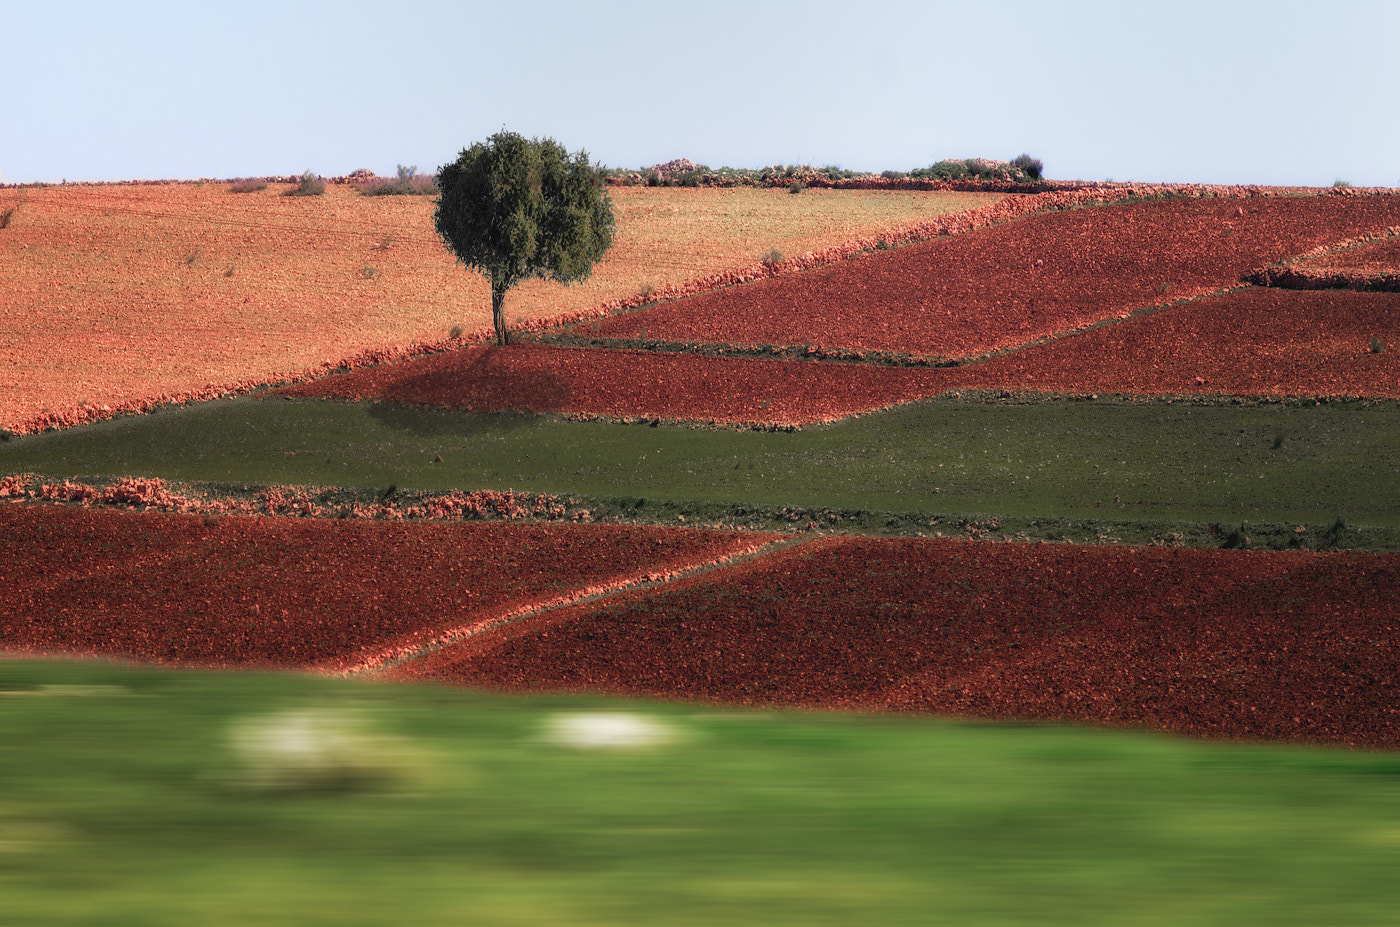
(309,185)
(408,183)
(1031,167)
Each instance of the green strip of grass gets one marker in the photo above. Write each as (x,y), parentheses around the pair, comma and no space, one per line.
(1115,462)
(117,808)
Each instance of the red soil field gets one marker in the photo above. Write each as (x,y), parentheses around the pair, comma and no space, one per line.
(1379,256)
(1007,285)
(1297,647)
(298,593)
(1370,265)
(632,384)
(1253,342)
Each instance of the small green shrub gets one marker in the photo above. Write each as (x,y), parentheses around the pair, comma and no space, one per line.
(1235,538)
(308,185)
(796,186)
(455,332)
(1031,167)
(247,185)
(1377,346)
(6,216)
(1340,184)
(942,170)
(408,183)
(773,258)
(368,272)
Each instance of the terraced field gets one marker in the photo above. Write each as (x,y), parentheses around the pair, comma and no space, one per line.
(923,574)
(1141,300)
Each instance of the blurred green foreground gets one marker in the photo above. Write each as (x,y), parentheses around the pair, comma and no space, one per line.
(147,797)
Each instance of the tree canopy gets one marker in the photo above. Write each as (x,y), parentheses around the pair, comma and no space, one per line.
(513,208)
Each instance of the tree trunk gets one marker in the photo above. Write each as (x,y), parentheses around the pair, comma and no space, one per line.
(498,312)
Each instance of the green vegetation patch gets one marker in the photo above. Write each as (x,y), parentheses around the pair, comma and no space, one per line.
(158,797)
(1198,470)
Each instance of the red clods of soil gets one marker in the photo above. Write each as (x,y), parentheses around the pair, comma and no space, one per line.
(624,384)
(998,287)
(1301,647)
(1254,342)
(1381,256)
(290,592)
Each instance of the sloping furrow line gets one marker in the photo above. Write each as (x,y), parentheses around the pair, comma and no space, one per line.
(1125,316)
(1285,273)
(641,579)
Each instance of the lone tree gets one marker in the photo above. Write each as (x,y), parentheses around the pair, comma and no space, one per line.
(512,209)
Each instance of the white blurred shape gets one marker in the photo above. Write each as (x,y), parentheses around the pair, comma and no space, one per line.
(604,730)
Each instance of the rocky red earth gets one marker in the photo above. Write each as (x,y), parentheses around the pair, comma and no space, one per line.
(1298,647)
(300,592)
(631,384)
(1370,264)
(1251,342)
(1006,285)
(1379,255)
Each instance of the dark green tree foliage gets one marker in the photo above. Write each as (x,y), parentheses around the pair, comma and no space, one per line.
(512,208)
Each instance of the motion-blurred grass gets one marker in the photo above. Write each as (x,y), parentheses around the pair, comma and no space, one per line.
(116,807)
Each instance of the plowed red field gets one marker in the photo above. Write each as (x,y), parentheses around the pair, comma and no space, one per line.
(1254,342)
(1382,256)
(288,592)
(1300,647)
(623,384)
(1008,285)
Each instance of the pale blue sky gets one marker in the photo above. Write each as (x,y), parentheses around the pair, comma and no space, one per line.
(1226,91)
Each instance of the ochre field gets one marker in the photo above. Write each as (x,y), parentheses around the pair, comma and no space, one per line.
(118,296)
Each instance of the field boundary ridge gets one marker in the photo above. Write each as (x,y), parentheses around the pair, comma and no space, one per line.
(423,644)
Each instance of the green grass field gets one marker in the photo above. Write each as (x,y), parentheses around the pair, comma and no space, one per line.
(1133,471)
(124,803)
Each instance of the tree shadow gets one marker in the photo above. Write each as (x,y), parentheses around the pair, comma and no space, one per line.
(473,391)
